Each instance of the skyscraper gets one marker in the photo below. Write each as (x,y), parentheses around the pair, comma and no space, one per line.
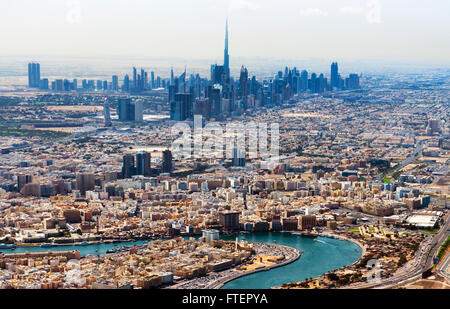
(353,81)
(143,163)
(334,75)
(34,75)
(304,81)
(226,62)
(130,111)
(30,75)
(243,82)
(134,79)
(123,109)
(37,77)
(239,157)
(115,83)
(167,161)
(85,182)
(126,84)
(243,86)
(153,80)
(107,112)
(128,168)
(182,107)
(138,108)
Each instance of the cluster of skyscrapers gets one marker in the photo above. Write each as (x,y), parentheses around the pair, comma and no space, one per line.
(141,82)
(218,97)
(222,96)
(140,164)
(35,81)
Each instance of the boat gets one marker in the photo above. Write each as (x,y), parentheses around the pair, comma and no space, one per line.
(46,245)
(84,243)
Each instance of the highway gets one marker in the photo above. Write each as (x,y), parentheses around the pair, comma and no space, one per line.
(418,152)
(422,261)
(443,269)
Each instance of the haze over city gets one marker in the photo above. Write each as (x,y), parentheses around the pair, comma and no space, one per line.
(408,31)
(259,146)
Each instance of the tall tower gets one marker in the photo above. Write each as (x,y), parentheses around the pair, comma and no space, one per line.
(226,62)
(107,115)
(334,75)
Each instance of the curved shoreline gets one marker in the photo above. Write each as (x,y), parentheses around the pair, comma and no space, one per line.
(221,283)
(342,237)
(284,263)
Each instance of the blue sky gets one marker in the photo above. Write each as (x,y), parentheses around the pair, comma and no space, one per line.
(408,30)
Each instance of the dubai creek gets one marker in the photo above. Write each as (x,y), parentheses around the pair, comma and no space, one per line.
(319,255)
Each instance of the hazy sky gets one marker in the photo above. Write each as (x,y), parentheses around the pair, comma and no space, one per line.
(408,30)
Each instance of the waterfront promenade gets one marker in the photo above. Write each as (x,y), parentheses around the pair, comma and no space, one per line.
(218,280)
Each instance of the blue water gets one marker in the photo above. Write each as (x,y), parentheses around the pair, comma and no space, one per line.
(93,249)
(319,256)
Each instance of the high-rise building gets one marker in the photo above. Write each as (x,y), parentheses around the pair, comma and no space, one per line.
(334,75)
(226,62)
(22,180)
(167,166)
(215,98)
(134,79)
(129,111)
(115,83)
(126,84)
(107,115)
(202,106)
(243,83)
(34,75)
(30,75)
(239,157)
(128,167)
(138,108)
(304,81)
(59,85)
(229,220)
(123,109)
(43,85)
(353,81)
(143,164)
(152,74)
(182,107)
(85,182)
(306,222)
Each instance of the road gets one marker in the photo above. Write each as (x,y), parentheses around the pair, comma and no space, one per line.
(443,269)
(418,152)
(422,261)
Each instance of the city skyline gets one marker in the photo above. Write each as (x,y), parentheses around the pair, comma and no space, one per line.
(224,144)
(350,30)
